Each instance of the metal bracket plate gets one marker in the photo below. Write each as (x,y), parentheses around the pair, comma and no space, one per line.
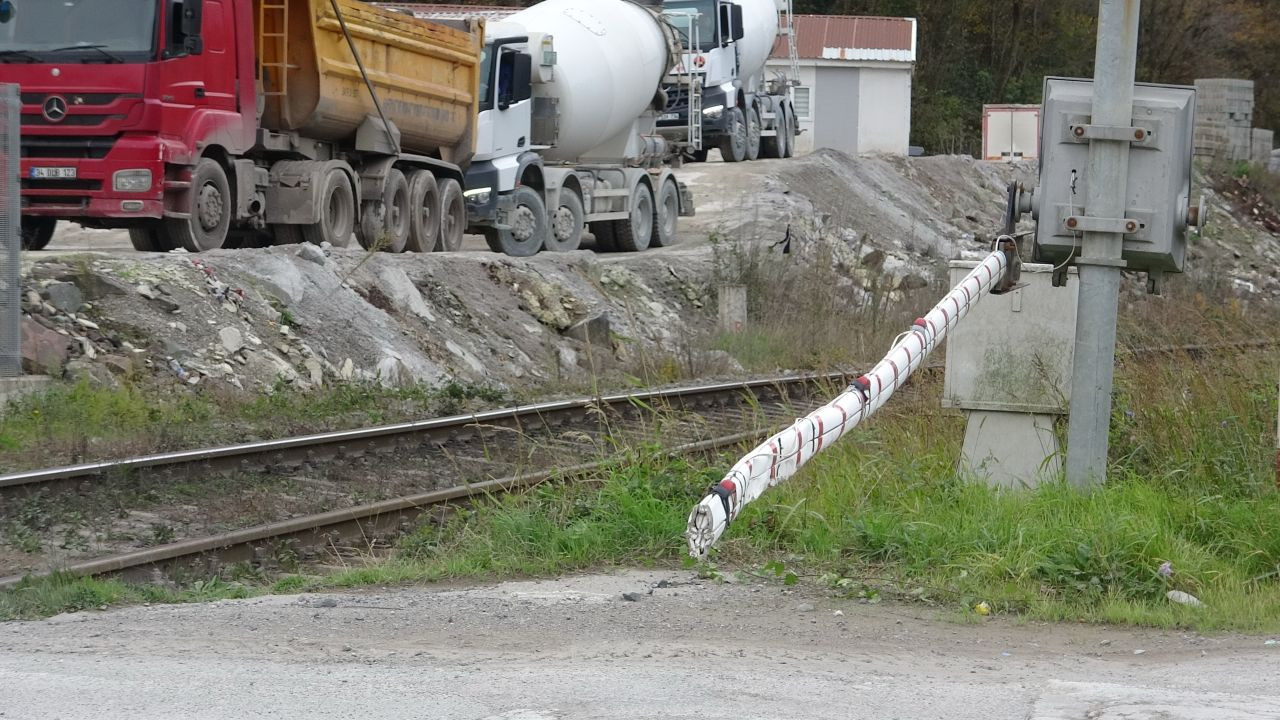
(1119,226)
(1111,132)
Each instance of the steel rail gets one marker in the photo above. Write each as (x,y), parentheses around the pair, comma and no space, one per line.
(326,529)
(306,448)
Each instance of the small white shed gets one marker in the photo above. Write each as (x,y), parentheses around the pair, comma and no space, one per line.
(855,82)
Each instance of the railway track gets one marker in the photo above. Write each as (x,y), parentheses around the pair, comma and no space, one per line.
(467,456)
(464,439)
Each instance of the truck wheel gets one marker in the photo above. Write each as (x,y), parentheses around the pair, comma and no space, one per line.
(149,239)
(635,233)
(399,211)
(209,219)
(337,212)
(567,223)
(753,133)
(386,228)
(667,217)
(789,150)
(424,222)
(603,233)
(453,216)
(37,232)
(528,221)
(733,146)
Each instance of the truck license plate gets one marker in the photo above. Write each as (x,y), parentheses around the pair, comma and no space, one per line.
(53,173)
(669,116)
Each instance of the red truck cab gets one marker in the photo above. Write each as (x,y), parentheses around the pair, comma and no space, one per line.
(131,113)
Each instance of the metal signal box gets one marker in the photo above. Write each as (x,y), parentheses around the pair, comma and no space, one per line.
(1158,207)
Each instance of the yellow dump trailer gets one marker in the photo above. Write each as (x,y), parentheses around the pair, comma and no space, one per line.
(425,74)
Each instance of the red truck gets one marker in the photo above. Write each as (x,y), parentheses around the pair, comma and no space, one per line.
(201,124)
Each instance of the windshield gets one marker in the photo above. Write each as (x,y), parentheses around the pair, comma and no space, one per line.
(688,14)
(33,28)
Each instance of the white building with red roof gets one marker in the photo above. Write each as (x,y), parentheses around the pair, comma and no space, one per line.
(855,82)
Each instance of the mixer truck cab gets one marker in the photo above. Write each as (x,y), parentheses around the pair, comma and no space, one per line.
(739,110)
(567,140)
(202,124)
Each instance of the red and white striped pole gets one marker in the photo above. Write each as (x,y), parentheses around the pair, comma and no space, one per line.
(782,455)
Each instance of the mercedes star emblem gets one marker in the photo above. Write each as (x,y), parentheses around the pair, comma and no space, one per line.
(55,108)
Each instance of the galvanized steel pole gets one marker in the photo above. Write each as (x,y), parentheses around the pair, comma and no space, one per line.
(1100,263)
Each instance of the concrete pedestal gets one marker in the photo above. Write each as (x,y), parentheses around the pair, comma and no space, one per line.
(1012,450)
(1009,369)
(16,388)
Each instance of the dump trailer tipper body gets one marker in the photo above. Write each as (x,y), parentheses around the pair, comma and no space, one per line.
(210,123)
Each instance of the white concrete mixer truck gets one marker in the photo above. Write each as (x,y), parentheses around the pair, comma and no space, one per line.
(739,110)
(570,95)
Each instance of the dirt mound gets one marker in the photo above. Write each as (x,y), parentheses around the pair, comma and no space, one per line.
(307,316)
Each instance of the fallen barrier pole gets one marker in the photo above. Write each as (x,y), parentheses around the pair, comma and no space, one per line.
(782,455)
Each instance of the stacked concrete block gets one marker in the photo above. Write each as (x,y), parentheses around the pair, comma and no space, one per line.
(1275,161)
(1224,118)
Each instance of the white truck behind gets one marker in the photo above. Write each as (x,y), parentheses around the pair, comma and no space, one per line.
(571,92)
(740,111)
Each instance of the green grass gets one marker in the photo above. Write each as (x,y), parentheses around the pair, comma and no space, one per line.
(59,593)
(884,513)
(82,421)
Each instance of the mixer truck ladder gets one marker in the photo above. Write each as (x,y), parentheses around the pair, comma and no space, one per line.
(273,48)
(694,82)
(788,29)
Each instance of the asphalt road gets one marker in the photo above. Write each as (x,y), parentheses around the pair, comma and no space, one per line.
(575,648)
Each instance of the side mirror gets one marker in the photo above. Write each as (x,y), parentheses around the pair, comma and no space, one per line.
(726,25)
(522,78)
(735,14)
(192,15)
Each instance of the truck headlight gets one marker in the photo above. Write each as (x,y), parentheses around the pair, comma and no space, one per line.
(714,112)
(479,196)
(131,181)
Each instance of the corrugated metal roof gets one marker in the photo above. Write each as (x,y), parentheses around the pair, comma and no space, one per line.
(453,12)
(851,37)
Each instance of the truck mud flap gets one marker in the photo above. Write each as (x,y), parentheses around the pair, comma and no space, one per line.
(686,200)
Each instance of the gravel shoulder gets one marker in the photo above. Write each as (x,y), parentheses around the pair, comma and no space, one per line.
(575,648)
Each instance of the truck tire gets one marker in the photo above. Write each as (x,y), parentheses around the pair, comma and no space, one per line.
(733,146)
(528,221)
(636,233)
(753,133)
(424,223)
(453,216)
(37,232)
(149,239)
(388,230)
(567,223)
(667,218)
(337,211)
(209,216)
(399,211)
(603,233)
(790,149)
